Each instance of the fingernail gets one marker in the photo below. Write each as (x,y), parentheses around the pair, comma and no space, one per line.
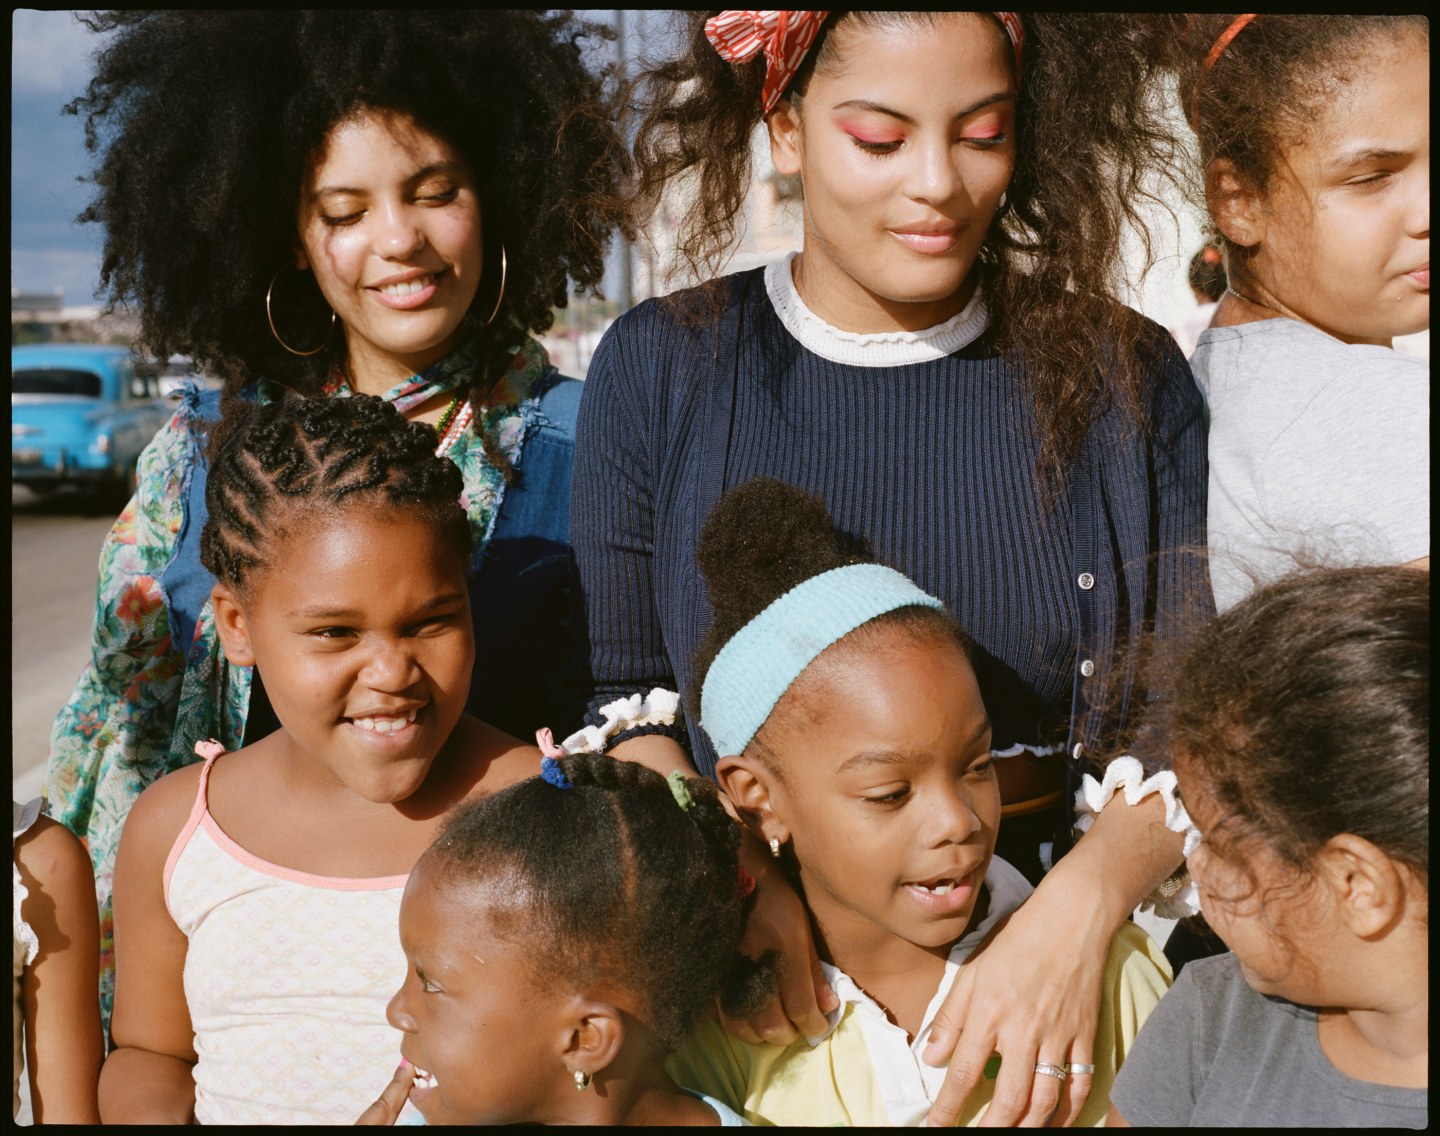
(404,1064)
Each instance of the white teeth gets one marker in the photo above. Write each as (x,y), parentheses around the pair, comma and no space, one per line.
(424,1080)
(384,725)
(408,287)
(938,889)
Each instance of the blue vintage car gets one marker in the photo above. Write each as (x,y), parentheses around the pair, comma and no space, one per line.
(79,415)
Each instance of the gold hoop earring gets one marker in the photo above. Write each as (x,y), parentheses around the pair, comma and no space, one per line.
(582,1080)
(496,311)
(270,319)
(775,847)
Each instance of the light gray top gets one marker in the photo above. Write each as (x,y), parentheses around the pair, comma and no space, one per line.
(1216,1054)
(1319,453)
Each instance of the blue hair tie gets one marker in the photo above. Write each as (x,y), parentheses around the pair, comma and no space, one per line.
(551,773)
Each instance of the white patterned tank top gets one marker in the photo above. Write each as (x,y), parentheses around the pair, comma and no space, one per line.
(287,976)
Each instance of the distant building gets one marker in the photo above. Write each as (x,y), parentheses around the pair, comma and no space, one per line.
(43,317)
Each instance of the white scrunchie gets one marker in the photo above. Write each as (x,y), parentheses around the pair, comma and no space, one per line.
(1173,899)
(658,708)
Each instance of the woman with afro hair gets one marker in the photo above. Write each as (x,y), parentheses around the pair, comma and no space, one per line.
(309,204)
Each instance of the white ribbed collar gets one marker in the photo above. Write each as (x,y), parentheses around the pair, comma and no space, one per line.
(879,349)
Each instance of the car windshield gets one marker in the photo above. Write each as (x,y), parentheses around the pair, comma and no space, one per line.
(55,380)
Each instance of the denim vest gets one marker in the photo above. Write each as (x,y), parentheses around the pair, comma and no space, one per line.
(518,596)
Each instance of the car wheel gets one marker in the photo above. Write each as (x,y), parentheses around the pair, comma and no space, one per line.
(116,495)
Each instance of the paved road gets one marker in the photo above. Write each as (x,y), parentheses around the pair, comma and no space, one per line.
(55,543)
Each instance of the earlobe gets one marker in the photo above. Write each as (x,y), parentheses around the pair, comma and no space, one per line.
(594,1036)
(747,784)
(231,627)
(1233,204)
(783,126)
(1367,883)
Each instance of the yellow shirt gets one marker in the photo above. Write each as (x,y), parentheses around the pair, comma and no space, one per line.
(867,1071)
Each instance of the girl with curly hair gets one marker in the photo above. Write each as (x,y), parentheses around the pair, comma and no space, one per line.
(1300,727)
(1314,136)
(327,202)
(946,367)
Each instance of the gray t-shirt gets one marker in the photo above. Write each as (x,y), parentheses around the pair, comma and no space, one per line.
(1214,1053)
(1319,453)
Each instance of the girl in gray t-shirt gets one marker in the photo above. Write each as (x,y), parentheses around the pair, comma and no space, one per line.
(1300,733)
(1314,135)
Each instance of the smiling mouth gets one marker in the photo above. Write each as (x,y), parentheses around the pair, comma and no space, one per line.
(424,1079)
(407,287)
(386,725)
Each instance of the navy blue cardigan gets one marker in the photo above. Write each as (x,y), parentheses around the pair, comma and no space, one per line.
(932,464)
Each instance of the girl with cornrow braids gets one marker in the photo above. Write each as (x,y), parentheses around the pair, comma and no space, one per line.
(256,893)
(566,934)
(327,202)
(945,365)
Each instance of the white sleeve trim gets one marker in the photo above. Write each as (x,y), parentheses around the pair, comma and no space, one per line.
(22,817)
(658,708)
(1176,897)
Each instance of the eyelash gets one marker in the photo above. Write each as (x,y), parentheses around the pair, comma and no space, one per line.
(979,769)
(884,149)
(1371,182)
(442,198)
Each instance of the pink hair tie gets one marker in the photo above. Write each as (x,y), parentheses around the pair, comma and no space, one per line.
(546,741)
(785,37)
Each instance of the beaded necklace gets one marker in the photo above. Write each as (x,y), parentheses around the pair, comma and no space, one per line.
(445,418)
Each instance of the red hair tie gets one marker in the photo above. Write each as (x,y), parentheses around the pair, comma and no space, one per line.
(785,37)
(1217,49)
(1226,36)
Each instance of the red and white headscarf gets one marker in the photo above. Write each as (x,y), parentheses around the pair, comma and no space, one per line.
(785,37)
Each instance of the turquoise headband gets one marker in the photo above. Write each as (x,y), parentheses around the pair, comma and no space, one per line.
(765,656)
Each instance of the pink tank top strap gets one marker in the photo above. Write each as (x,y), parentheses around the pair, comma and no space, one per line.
(209,750)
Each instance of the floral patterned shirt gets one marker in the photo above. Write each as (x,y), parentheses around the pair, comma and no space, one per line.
(138,709)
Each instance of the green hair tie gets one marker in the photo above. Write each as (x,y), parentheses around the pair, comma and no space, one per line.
(679,790)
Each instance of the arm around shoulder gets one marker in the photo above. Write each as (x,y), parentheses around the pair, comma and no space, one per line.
(148,1077)
(59,989)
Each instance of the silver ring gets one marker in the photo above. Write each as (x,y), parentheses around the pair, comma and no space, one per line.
(1080,1070)
(1051,1070)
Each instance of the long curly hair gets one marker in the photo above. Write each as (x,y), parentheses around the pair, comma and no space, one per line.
(1091,140)
(205,124)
